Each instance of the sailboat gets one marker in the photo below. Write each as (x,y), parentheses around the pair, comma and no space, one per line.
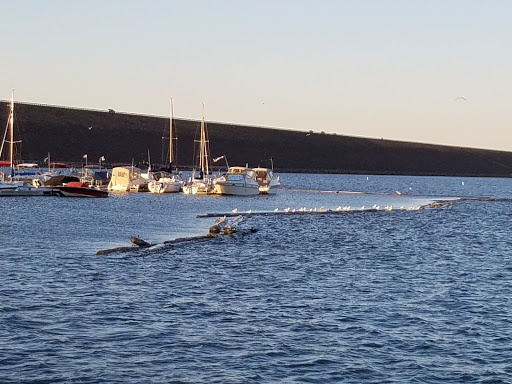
(9,187)
(202,183)
(164,182)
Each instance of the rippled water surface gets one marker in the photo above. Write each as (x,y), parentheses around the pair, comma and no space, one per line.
(404,296)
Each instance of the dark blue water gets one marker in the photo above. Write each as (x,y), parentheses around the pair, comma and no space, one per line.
(372,297)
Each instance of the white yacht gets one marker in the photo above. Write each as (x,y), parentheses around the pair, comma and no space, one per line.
(239,181)
(268,181)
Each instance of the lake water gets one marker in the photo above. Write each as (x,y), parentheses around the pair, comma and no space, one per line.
(407,296)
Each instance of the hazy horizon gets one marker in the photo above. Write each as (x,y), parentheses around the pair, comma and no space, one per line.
(434,72)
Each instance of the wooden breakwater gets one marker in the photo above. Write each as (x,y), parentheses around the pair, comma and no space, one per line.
(69,133)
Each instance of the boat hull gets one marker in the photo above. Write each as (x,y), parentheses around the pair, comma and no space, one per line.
(164,187)
(237,189)
(198,188)
(25,189)
(67,191)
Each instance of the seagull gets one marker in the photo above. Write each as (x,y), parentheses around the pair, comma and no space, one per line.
(277,209)
(287,209)
(234,210)
(89,128)
(249,211)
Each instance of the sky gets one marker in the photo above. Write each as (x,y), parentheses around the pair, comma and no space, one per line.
(430,71)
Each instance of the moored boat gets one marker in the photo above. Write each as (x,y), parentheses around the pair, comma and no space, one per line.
(268,181)
(240,181)
(202,183)
(127,179)
(164,182)
(79,189)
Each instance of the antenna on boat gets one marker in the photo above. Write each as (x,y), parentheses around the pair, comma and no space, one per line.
(272,164)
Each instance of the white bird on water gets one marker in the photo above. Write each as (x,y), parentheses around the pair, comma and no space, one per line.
(276,210)
(234,210)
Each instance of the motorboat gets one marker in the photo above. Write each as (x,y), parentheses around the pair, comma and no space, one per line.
(240,181)
(24,188)
(79,189)
(127,179)
(267,180)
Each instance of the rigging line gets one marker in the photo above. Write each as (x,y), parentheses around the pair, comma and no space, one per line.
(3,140)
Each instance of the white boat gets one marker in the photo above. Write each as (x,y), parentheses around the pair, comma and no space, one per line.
(127,179)
(164,182)
(14,184)
(200,183)
(268,181)
(24,188)
(240,181)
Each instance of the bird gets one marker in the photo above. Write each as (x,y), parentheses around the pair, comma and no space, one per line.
(277,209)
(234,210)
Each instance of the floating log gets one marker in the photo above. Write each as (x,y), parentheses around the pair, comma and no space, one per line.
(226,227)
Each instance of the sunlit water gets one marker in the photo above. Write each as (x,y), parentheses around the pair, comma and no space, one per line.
(366,297)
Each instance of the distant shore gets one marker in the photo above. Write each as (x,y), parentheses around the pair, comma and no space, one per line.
(124,138)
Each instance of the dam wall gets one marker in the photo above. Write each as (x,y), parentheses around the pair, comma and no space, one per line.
(123,138)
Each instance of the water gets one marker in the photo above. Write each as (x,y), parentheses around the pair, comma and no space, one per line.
(374,297)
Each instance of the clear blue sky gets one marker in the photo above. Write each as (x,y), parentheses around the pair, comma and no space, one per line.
(435,71)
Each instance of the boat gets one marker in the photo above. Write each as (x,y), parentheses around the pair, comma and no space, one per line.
(200,183)
(127,179)
(268,181)
(95,176)
(166,182)
(24,188)
(13,184)
(240,181)
(79,189)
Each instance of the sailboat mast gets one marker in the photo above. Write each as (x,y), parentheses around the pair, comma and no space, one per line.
(11,122)
(170,137)
(203,149)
